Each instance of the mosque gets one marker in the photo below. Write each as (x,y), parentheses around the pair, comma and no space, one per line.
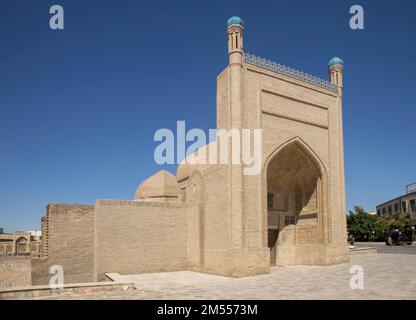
(212,217)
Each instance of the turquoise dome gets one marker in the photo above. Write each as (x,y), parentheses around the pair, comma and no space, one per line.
(335,61)
(235,20)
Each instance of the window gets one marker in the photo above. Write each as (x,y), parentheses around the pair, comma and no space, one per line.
(389,209)
(384,211)
(396,207)
(404,206)
(290,220)
(378,212)
(270,200)
(413,205)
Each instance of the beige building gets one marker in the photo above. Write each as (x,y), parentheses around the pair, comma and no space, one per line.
(405,204)
(21,243)
(214,218)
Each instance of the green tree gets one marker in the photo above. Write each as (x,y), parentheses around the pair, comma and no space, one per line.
(364,227)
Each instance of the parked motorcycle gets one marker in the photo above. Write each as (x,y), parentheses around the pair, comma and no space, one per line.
(398,238)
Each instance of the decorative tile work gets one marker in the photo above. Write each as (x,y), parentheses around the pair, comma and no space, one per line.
(293,73)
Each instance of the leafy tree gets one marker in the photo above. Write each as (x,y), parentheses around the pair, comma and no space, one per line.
(363,226)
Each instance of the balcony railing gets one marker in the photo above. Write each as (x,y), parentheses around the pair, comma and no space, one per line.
(411,187)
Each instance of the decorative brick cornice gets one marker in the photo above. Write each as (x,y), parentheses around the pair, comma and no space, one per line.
(287,71)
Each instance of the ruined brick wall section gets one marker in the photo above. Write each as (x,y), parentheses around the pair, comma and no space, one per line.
(70,243)
(44,239)
(136,237)
(15,272)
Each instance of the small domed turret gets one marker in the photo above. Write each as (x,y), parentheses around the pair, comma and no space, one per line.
(335,68)
(335,61)
(235,20)
(235,30)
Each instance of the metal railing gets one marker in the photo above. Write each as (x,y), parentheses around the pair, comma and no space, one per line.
(411,187)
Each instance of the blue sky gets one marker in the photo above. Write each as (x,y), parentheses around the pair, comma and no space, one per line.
(79,107)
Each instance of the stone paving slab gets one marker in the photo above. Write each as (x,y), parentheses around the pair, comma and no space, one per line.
(386,276)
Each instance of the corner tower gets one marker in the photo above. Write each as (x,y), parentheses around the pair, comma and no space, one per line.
(235,30)
(335,68)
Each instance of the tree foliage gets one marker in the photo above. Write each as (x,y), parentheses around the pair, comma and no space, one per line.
(364,227)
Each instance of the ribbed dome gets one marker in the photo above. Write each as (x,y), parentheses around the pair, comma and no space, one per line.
(235,20)
(161,184)
(335,61)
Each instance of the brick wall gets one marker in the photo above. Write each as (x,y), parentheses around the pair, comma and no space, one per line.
(70,244)
(44,239)
(40,271)
(135,237)
(15,272)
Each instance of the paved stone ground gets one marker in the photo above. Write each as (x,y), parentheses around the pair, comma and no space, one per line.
(383,248)
(386,276)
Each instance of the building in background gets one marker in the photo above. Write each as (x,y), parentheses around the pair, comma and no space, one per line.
(21,243)
(405,203)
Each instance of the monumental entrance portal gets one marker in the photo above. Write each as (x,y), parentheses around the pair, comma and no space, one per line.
(212,217)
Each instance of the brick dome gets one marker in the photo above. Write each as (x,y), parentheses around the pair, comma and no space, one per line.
(162,184)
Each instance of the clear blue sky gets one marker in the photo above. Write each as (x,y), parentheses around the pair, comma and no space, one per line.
(79,107)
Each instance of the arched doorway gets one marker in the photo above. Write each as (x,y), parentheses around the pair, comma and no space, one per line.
(22,246)
(294,201)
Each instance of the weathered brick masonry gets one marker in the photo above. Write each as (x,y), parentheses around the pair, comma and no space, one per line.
(70,244)
(15,271)
(135,237)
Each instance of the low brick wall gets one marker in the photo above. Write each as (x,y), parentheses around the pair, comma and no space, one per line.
(366,250)
(82,289)
(15,272)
